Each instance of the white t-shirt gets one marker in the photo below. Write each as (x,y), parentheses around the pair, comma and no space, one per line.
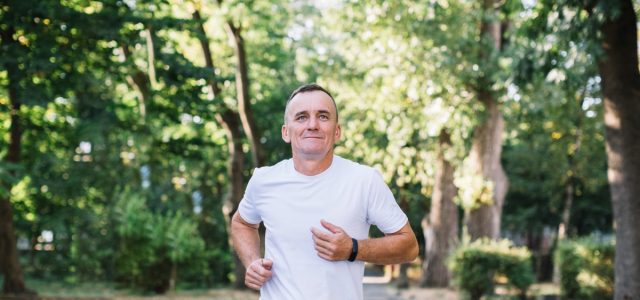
(347,194)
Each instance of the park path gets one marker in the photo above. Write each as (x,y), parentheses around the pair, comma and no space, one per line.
(372,291)
(376,291)
(381,291)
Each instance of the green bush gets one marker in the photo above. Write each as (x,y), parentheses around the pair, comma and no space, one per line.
(152,246)
(586,268)
(476,265)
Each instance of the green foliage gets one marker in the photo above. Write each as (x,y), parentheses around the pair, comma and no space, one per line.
(554,122)
(586,268)
(99,114)
(475,267)
(151,244)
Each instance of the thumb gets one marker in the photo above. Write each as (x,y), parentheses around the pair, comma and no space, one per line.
(267,263)
(330,227)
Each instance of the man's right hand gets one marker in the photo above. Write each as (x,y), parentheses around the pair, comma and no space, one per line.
(258,272)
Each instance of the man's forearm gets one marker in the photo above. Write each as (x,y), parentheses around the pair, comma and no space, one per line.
(246,240)
(400,247)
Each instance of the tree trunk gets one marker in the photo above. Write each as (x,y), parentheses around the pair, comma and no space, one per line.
(621,91)
(174,276)
(441,227)
(140,81)
(570,183)
(230,121)
(486,148)
(9,262)
(566,210)
(151,57)
(485,159)
(242,87)
(235,165)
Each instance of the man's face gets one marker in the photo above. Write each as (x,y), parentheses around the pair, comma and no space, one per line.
(311,125)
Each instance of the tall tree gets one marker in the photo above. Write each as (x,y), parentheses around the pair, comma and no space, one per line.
(609,29)
(484,158)
(230,120)
(9,264)
(242,94)
(442,221)
(621,90)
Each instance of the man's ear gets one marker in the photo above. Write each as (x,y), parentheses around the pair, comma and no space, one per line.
(285,134)
(338,133)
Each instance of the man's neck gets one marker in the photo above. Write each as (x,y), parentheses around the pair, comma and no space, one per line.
(311,166)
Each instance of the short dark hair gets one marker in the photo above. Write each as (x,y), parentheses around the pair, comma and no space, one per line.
(305,88)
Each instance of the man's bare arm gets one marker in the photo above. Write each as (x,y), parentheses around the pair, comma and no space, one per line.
(394,248)
(246,242)
(398,247)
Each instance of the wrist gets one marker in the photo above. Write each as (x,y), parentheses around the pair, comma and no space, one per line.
(354,250)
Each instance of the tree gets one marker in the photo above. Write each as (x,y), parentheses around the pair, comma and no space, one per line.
(9,265)
(30,76)
(230,120)
(485,155)
(442,224)
(242,94)
(609,31)
(621,90)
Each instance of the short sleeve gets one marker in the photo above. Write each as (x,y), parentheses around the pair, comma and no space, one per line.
(383,210)
(247,207)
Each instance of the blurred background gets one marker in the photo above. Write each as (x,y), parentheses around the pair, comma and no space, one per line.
(130,128)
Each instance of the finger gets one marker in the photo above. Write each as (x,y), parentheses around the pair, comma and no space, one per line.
(320,235)
(257,272)
(262,273)
(326,256)
(254,277)
(251,279)
(330,227)
(253,284)
(256,280)
(323,252)
(323,244)
(267,263)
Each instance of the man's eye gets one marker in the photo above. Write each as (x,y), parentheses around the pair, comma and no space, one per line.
(301,118)
(324,117)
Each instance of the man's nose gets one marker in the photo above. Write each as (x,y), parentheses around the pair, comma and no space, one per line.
(313,123)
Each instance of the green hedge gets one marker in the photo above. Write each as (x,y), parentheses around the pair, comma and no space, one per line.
(586,268)
(152,247)
(476,265)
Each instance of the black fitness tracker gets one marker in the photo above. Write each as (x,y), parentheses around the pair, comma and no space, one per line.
(354,250)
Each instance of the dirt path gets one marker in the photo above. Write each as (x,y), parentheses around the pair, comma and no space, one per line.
(371,292)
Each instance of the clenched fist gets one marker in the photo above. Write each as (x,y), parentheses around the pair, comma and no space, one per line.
(333,246)
(258,272)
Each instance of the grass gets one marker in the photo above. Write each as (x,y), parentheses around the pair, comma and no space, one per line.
(50,288)
(69,289)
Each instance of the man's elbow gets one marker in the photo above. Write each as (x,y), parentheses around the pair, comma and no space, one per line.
(412,251)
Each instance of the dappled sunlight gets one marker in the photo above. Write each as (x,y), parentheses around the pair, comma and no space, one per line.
(131,131)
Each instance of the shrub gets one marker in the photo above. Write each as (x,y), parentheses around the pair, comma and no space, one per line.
(151,246)
(586,268)
(476,265)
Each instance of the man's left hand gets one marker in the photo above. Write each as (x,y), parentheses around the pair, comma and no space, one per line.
(333,246)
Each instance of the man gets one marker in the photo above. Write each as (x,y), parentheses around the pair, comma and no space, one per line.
(317,209)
